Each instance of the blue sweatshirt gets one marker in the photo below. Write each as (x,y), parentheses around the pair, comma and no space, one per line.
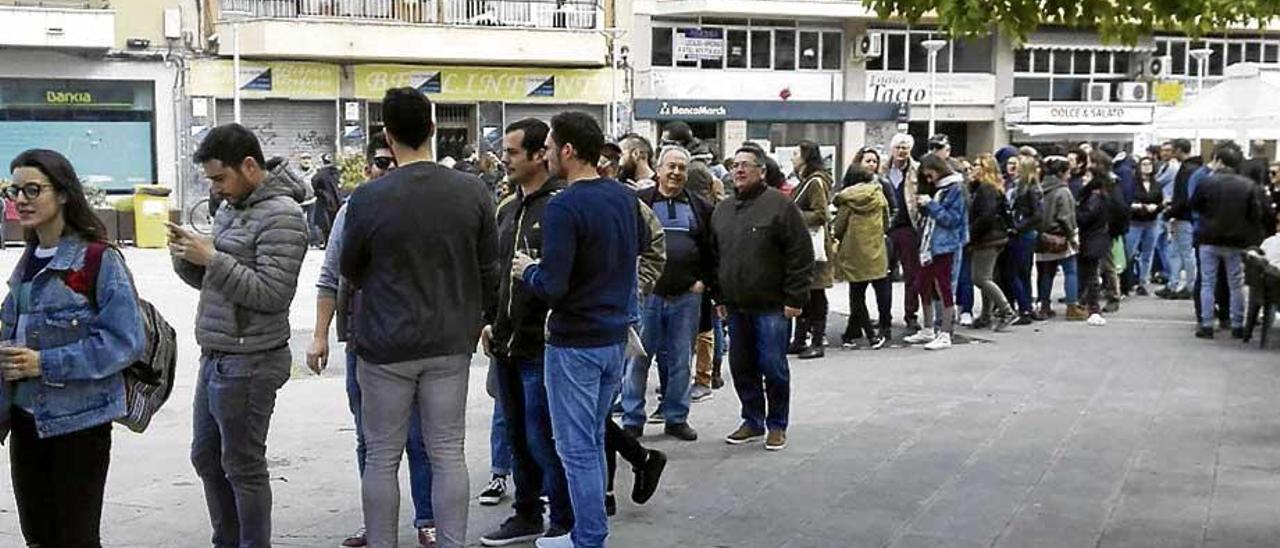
(591,239)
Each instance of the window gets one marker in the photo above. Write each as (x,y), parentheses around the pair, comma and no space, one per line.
(1083,62)
(1040,60)
(1178,50)
(810,43)
(895,52)
(1215,61)
(1061,62)
(1253,52)
(917,56)
(1122,63)
(761,49)
(832,46)
(1271,53)
(1022,60)
(944,58)
(784,50)
(662,54)
(1037,89)
(736,49)
(1068,89)
(714,63)
(1102,62)
(972,55)
(679,63)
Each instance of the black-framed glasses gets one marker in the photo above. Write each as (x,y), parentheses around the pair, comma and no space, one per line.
(385,163)
(30,190)
(744,165)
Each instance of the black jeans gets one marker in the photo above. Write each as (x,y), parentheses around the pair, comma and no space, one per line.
(1090,282)
(58,483)
(618,442)
(812,323)
(859,318)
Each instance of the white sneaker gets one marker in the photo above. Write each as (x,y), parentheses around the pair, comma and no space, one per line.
(554,542)
(966,320)
(1096,320)
(924,336)
(943,342)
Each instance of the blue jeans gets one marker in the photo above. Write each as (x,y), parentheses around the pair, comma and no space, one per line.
(581,383)
(761,374)
(1234,260)
(415,449)
(963,285)
(522,392)
(499,448)
(1162,245)
(1048,269)
(235,398)
(717,325)
(668,330)
(1140,247)
(1018,260)
(1181,254)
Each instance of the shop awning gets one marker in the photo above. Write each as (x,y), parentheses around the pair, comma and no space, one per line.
(1053,130)
(1072,40)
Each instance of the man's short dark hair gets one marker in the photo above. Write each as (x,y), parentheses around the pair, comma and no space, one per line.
(581,131)
(612,152)
(1229,154)
(937,164)
(679,132)
(230,144)
(1056,165)
(639,143)
(1181,145)
(377,141)
(754,151)
(406,114)
(535,134)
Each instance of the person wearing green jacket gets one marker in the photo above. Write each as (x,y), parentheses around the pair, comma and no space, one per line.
(862,259)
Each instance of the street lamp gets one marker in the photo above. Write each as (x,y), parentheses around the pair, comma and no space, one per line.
(1201,56)
(234,16)
(933,46)
(613,34)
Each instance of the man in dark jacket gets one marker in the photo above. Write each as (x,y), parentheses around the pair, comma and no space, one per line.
(514,337)
(671,313)
(764,274)
(325,184)
(1233,215)
(421,246)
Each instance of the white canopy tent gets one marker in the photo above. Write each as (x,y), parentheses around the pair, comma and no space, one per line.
(1242,107)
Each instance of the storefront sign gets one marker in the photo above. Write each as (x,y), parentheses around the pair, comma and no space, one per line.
(699,44)
(780,111)
(71,94)
(270,79)
(513,85)
(1089,113)
(913,88)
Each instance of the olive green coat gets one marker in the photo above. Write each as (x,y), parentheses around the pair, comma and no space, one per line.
(812,197)
(862,214)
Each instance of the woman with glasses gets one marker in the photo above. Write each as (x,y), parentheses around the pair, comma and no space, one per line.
(811,196)
(1140,241)
(68,334)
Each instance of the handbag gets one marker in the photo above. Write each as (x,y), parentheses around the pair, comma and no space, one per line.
(818,238)
(1051,243)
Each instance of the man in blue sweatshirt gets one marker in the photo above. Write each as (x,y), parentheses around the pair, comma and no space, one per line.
(591,238)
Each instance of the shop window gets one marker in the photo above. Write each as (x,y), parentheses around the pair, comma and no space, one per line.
(832,48)
(1069,89)
(784,50)
(1036,89)
(662,53)
(895,52)
(810,43)
(736,49)
(1178,50)
(917,56)
(973,55)
(1022,60)
(1061,62)
(761,49)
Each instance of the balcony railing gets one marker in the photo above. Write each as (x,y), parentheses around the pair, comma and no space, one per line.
(566,14)
(59,4)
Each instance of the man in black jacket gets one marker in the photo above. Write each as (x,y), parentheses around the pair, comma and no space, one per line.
(670,314)
(1233,217)
(515,339)
(765,264)
(325,185)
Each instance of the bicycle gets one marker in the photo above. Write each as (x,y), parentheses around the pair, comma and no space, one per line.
(200,218)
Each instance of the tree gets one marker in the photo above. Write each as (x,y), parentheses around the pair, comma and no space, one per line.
(1115,20)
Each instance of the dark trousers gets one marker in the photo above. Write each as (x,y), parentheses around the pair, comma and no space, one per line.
(907,251)
(761,374)
(58,483)
(618,442)
(812,323)
(859,318)
(1090,282)
(1017,263)
(536,466)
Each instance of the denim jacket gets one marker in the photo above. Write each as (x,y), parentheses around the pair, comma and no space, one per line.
(950,213)
(83,348)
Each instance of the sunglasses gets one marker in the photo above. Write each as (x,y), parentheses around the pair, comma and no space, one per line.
(30,190)
(384,162)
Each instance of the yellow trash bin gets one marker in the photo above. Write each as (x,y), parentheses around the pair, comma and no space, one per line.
(150,213)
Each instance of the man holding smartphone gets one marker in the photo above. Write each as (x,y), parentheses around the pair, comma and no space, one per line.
(247,274)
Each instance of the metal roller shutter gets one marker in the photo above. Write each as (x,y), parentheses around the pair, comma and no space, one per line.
(286,128)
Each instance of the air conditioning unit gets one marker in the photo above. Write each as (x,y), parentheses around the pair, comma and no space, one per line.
(1098,93)
(869,46)
(1155,67)
(1133,92)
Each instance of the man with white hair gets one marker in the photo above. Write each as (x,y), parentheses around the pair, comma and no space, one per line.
(670,314)
(900,171)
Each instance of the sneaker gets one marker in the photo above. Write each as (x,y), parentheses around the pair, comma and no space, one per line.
(876,343)
(636,432)
(1141,291)
(848,343)
(717,382)
(1076,313)
(982,322)
(744,434)
(1023,320)
(1111,307)
(356,540)
(656,416)
(648,475)
(776,441)
(699,394)
(813,353)
(610,507)
(913,327)
(682,432)
(1003,321)
(492,495)
(943,342)
(1204,333)
(1184,295)
(1096,320)
(562,541)
(427,537)
(966,320)
(514,530)
(1165,293)
(924,336)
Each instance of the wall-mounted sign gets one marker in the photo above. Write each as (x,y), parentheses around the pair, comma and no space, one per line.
(913,88)
(777,111)
(259,79)
(73,94)
(693,44)
(1050,112)
(485,84)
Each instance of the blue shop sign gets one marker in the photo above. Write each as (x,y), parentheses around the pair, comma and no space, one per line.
(770,111)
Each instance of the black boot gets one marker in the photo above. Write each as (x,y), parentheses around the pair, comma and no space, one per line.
(800,340)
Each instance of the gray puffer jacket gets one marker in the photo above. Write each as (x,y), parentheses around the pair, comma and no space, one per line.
(246,290)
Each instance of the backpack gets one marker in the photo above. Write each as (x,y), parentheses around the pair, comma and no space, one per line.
(149,381)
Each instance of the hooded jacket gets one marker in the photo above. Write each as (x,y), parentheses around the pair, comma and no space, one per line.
(246,290)
(1058,216)
(520,318)
(862,214)
(949,212)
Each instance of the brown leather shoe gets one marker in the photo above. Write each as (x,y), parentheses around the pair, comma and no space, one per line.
(776,440)
(1077,313)
(744,434)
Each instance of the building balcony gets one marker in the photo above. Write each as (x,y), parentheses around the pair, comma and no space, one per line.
(63,24)
(780,9)
(491,32)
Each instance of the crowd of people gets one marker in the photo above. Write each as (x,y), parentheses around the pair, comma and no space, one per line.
(595,262)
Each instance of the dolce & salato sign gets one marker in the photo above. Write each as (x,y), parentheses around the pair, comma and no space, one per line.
(1089,113)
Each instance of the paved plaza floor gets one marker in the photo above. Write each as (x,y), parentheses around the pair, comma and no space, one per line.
(1135,434)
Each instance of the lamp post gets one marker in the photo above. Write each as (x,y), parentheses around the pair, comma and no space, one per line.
(613,34)
(1201,56)
(933,46)
(234,17)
